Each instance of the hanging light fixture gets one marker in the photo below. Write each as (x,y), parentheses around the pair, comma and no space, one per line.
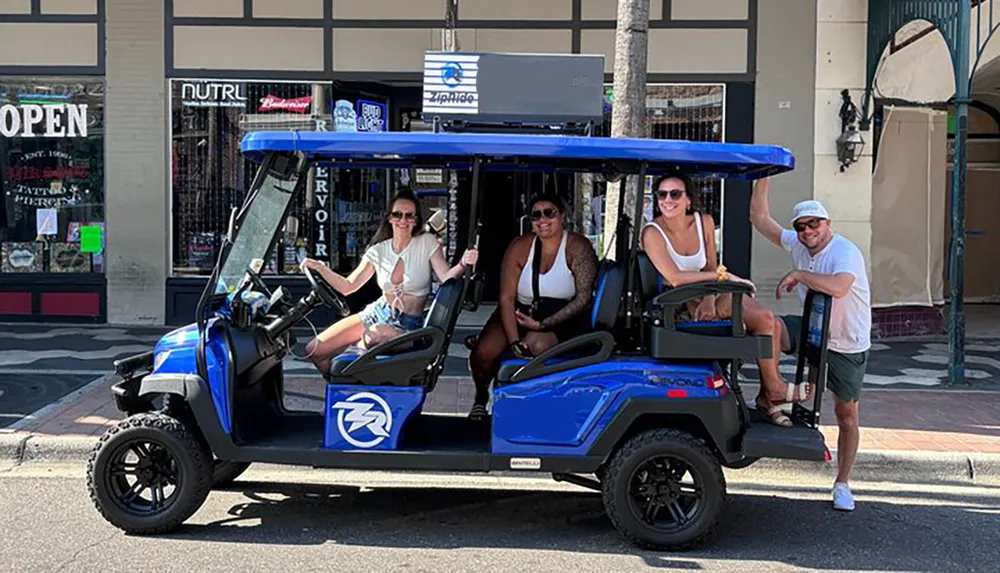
(850,142)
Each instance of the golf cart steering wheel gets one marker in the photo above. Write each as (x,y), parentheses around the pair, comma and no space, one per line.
(258,282)
(326,293)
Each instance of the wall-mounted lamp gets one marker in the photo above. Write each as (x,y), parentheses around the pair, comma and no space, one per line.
(850,143)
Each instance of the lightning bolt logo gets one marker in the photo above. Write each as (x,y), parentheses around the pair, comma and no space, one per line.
(364,410)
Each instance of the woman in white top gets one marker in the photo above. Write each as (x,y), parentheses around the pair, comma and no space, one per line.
(525,323)
(680,242)
(401,257)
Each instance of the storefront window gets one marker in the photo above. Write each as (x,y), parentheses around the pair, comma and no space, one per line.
(51,175)
(333,221)
(686,112)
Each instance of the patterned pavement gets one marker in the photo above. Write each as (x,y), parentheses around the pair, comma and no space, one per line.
(23,394)
(40,364)
(914,364)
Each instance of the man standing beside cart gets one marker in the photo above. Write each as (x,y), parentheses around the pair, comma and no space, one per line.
(826,262)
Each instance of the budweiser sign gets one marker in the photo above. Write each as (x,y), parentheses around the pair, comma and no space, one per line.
(298,105)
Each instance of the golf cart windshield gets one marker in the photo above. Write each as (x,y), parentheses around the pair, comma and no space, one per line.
(261,218)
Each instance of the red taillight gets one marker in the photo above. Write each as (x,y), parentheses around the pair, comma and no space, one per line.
(715,382)
(677,393)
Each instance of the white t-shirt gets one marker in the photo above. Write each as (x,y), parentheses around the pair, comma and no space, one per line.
(416,263)
(851,317)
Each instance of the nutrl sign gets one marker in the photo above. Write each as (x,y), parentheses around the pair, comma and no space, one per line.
(213,94)
(49,120)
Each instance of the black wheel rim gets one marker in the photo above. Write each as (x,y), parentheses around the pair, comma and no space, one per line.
(143,477)
(666,494)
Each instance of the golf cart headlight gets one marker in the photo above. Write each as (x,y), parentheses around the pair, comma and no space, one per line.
(160,359)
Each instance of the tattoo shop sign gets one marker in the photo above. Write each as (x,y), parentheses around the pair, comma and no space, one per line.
(46,179)
(49,120)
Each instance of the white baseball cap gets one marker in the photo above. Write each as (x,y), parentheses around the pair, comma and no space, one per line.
(810,209)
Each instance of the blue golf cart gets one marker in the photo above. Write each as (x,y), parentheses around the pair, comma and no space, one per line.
(642,408)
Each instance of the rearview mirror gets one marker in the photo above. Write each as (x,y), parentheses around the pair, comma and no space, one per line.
(286,166)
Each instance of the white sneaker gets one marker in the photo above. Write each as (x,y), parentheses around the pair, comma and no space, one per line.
(843,499)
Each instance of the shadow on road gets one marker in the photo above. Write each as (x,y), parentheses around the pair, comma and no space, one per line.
(805,533)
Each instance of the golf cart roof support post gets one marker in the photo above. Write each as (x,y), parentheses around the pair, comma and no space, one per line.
(630,277)
(621,226)
(474,210)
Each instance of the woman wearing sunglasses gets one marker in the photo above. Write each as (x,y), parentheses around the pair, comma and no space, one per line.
(401,256)
(546,283)
(680,242)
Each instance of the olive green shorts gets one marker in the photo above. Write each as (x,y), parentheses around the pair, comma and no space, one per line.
(844,372)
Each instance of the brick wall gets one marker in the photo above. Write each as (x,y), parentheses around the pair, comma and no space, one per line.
(136,155)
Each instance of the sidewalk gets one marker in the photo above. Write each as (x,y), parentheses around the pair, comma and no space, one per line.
(926,429)
(60,351)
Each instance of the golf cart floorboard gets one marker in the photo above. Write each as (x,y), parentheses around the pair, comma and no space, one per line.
(424,434)
(765,440)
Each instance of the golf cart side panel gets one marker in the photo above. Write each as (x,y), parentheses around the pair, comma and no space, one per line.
(369,417)
(223,447)
(569,413)
(176,353)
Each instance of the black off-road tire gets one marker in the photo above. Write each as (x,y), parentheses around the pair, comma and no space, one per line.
(615,489)
(193,466)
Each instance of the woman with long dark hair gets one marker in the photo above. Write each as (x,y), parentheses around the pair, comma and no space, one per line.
(680,242)
(401,256)
(534,314)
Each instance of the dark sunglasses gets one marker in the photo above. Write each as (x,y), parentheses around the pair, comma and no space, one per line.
(811,223)
(397,215)
(674,194)
(548,213)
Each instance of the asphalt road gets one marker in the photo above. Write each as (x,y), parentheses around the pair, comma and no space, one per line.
(48,524)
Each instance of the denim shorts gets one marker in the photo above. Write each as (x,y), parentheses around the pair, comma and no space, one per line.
(379,312)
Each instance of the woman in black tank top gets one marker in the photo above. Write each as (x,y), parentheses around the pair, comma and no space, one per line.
(528,330)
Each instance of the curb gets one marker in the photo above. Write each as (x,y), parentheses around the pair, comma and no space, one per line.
(894,466)
(18,449)
(12,449)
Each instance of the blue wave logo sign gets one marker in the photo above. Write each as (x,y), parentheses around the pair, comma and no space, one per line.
(452,74)
(368,415)
(450,84)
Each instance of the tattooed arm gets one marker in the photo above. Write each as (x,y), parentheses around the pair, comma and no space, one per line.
(582,263)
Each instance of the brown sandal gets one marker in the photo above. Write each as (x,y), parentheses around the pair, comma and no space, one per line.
(777,415)
(795,394)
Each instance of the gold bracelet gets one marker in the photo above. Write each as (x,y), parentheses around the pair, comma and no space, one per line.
(723,274)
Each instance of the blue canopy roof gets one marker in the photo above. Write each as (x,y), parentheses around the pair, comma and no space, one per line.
(524,152)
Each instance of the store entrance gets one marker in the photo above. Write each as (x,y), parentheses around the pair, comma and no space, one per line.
(504,208)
